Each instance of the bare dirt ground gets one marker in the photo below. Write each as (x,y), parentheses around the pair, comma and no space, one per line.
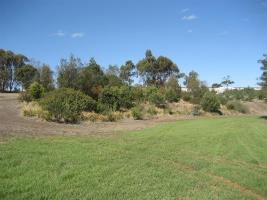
(257,108)
(13,123)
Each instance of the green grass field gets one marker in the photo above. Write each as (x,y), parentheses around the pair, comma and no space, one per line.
(223,158)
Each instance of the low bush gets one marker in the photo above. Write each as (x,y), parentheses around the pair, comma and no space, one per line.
(172,95)
(246,94)
(66,104)
(222,98)
(25,96)
(33,109)
(138,93)
(137,112)
(168,110)
(152,110)
(36,91)
(196,110)
(157,99)
(210,102)
(114,116)
(186,96)
(237,106)
(116,98)
(111,117)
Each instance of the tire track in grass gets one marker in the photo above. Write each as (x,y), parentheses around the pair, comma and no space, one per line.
(237,186)
(216,178)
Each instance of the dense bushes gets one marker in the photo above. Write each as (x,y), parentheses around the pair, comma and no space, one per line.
(116,98)
(210,102)
(34,92)
(66,104)
(246,94)
(237,106)
(172,95)
(137,113)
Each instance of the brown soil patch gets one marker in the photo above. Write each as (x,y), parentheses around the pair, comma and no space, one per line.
(257,107)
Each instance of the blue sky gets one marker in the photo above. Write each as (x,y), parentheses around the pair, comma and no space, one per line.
(213,37)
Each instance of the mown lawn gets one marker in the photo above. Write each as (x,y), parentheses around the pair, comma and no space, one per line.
(224,158)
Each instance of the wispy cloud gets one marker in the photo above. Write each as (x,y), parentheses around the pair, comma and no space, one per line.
(189,17)
(59,33)
(189,31)
(184,10)
(77,35)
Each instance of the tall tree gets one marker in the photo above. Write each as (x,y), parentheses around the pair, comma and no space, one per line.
(112,74)
(46,77)
(227,81)
(127,72)
(68,72)
(9,63)
(173,89)
(3,70)
(195,87)
(155,71)
(263,77)
(25,75)
(92,79)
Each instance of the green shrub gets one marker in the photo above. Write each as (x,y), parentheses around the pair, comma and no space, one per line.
(117,98)
(25,96)
(222,98)
(210,102)
(246,94)
(137,112)
(66,104)
(148,91)
(171,95)
(196,110)
(102,108)
(186,96)
(157,99)
(36,90)
(238,106)
(138,94)
(152,110)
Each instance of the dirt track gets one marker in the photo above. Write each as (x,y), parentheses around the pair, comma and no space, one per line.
(13,123)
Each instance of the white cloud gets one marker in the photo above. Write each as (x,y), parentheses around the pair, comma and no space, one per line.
(184,10)
(59,33)
(189,17)
(189,31)
(77,35)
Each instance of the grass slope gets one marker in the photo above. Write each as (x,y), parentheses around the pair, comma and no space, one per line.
(222,158)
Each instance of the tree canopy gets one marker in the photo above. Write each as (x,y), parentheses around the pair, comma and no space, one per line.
(155,71)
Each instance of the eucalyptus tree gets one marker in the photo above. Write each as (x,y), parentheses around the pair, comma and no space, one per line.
(128,72)
(155,71)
